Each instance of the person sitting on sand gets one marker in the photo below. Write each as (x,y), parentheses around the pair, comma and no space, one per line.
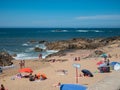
(35,77)
(31,77)
(57,85)
(43,77)
(19,75)
(2,87)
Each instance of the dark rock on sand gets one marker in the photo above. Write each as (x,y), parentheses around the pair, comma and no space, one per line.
(5,59)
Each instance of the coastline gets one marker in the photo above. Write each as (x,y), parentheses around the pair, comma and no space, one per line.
(65,62)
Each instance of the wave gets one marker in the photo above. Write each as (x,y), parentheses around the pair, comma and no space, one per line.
(48,52)
(42,46)
(89,31)
(59,31)
(25,44)
(25,56)
(29,49)
(97,31)
(82,30)
(33,55)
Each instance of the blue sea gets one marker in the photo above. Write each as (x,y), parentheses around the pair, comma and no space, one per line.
(16,40)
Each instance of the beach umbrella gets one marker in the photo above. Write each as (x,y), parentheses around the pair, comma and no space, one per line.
(26,70)
(104,55)
(87,72)
(72,87)
(100,62)
(113,63)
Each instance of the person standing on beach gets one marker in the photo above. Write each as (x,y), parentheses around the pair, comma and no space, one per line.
(23,63)
(40,56)
(75,59)
(20,64)
(78,58)
(108,62)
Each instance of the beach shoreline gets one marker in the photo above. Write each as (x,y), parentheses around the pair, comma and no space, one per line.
(49,68)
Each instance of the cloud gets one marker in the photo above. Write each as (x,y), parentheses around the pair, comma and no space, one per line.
(99,17)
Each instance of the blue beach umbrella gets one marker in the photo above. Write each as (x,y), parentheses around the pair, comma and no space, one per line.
(72,87)
(114,63)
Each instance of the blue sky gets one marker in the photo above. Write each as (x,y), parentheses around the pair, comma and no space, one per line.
(60,13)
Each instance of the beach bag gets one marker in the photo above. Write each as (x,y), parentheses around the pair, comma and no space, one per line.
(104,69)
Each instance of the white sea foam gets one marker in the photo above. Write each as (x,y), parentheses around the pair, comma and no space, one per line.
(48,52)
(97,31)
(24,56)
(25,44)
(65,30)
(33,55)
(82,30)
(42,46)
(29,49)
(59,31)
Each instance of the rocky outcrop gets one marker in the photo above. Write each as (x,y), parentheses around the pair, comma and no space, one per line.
(81,43)
(37,49)
(5,59)
(96,53)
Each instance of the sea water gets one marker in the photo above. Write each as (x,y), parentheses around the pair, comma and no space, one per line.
(17,40)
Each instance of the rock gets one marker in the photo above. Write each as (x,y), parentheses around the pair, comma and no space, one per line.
(96,53)
(42,41)
(32,41)
(81,43)
(37,49)
(5,59)
(60,53)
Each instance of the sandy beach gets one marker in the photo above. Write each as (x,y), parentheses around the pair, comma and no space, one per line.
(11,82)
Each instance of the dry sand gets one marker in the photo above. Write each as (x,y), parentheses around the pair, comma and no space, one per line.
(50,68)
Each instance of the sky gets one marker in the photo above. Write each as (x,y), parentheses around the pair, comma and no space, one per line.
(60,13)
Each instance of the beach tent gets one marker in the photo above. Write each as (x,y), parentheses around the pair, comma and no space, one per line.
(26,70)
(87,73)
(112,64)
(72,87)
(117,66)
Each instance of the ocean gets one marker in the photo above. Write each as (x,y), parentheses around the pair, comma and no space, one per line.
(17,40)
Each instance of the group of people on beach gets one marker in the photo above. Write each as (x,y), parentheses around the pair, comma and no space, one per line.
(77,59)
(22,64)
(36,77)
